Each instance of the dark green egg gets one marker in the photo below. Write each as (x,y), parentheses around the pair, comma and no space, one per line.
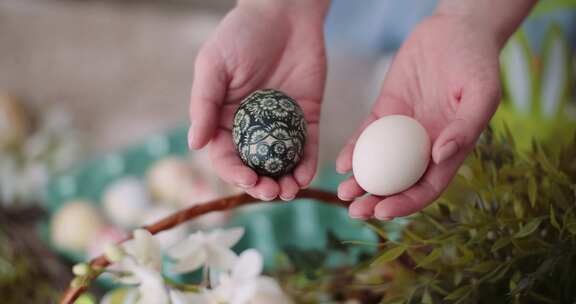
(269,132)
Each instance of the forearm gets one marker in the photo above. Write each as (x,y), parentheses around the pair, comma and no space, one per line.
(315,10)
(499,17)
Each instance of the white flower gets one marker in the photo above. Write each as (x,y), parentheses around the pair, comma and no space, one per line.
(203,297)
(152,289)
(143,265)
(211,249)
(245,284)
(144,249)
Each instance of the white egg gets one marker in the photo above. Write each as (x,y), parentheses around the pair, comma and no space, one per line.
(125,201)
(391,155)
(75,225)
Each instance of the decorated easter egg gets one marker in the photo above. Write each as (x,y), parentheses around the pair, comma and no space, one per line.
(391,155)
(269,132)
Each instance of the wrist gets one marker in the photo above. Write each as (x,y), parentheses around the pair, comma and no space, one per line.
(298,11)
(495,18)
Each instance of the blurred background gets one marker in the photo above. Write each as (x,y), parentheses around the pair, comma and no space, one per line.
(94,103)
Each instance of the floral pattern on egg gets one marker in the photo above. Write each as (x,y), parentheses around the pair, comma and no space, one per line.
(269,132)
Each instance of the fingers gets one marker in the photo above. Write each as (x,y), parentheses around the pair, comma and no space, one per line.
(228,164)
(423,193)
(305,171)
(344,159)
(288,188)
(363,208)
(266,189)
(475,109)
(349,189)
(208,93)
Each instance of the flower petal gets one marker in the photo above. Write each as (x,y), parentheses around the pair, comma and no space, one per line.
(220,257)
(190,263)
(248,266)
(152,289)
(178,297)
(187,247)
(126,265)
(244,293)
(226,237)
(145,249)
(268,291)
(202,297)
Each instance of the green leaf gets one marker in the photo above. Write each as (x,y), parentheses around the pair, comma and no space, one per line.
(467,255)
(571,226)
(389,255)
(500,243)
(553,219)
(508,134)
(500,274)
(433,221)
(435,254)
(374,225)
(528,228)
(361,243)
(532,191)
(426,298)
(414,236)
(484,266)
(459,293)
(569,221)
(458,276)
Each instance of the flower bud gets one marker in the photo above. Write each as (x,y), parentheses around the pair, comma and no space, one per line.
(81,269)
(113,253)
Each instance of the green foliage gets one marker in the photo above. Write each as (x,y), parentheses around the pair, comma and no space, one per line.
(308,277)
(21,281)
(550,6)
(504,232)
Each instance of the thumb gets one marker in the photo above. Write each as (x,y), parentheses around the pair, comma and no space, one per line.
(475,109)
(208,93)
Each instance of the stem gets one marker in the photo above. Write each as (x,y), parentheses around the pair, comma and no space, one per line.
(227,203)
(180,286)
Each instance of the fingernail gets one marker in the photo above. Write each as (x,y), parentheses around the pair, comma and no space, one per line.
(286,199)
(346,199)
(244,186)
(359,216)
(341,170)
(445,152)
(384,218)
(190,137)
(269,198)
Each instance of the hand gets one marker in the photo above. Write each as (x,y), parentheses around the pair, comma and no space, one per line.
(446,76)
(258,47)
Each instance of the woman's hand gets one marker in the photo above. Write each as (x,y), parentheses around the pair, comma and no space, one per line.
(446,76)
(260,44)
